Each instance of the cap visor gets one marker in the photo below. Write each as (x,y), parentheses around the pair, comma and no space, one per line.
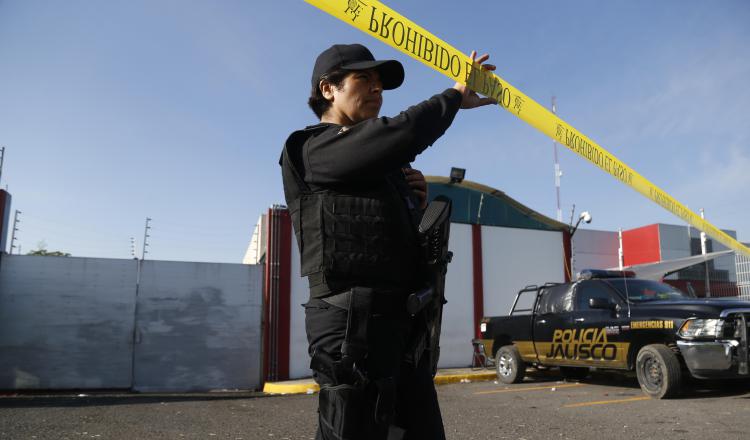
(391,71)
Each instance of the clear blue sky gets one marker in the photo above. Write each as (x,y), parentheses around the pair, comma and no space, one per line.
(177,110)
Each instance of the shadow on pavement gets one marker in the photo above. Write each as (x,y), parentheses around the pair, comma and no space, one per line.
(704,389)
(86,400)
(691,388)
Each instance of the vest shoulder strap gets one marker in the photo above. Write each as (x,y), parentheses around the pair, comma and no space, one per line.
(296,141)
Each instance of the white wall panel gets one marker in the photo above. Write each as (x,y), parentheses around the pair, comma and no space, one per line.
(594,250)
(458,314)
(198,326)
(514,258)
(66,322)
(299,359)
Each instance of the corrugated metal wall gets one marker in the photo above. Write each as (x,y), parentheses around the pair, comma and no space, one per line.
(68,323)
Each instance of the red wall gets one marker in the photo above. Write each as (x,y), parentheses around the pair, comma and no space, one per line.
(641,245)
(478,277)
(277,295)
(5,222)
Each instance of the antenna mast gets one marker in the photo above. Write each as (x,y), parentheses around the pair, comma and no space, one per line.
(558,173)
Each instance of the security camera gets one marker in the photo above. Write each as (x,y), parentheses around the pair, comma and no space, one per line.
(585,216)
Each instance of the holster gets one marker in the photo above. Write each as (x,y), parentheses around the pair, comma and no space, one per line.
(418,341)
(354,402)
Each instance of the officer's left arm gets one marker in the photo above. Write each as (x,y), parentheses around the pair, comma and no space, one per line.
(418,185)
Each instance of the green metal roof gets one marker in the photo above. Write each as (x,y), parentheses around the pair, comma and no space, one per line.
(474,203)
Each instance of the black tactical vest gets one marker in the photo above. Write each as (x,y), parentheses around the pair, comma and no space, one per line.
(353,234)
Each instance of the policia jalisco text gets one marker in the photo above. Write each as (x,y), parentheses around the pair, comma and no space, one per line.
(373,251)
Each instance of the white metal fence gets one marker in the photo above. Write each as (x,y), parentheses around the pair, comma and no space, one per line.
(743,275)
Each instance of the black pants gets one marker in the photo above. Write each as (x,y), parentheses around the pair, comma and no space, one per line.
(416,405)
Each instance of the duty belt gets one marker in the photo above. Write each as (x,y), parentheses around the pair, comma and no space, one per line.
(382,301)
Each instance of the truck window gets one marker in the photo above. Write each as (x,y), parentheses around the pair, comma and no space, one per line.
(556,299)
(586,290)
(646,290)
(524,303)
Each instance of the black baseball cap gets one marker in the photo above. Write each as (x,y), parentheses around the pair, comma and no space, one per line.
(357,57)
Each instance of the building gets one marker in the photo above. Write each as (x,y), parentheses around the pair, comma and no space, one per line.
(499,247)
(257,247)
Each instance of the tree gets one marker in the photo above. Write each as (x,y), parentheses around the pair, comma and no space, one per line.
(42,251)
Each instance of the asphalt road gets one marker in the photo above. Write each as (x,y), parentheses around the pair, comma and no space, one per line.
(544,407)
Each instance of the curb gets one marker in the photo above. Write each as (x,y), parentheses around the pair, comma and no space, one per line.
(443,379)
(308,386)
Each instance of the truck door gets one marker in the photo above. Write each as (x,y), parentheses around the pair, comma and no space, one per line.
(596,338)
(553,316)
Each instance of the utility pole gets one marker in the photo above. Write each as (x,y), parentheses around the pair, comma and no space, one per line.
(558,173)
(703,252)
(620,250)
(139,264)
(145,238)
(572,249)
(16,221)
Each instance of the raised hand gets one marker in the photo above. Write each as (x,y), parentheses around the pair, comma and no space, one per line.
(470,97)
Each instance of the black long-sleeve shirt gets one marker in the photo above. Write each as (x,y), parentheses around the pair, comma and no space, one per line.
(372,148)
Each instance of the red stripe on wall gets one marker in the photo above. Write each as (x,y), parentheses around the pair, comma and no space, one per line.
(4,221)
(285,292)
(277,295)
(478,273)
(267,301)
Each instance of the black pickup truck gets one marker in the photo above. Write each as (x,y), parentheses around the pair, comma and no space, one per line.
(612,320)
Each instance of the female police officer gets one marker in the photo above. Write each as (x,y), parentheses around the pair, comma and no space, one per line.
(355,203)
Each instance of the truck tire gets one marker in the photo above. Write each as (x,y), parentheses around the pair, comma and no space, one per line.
(574,373)
(509,366)
(658,371)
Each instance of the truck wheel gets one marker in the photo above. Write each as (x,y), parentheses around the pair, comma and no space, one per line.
(509,365)
(658,371)
(574,373)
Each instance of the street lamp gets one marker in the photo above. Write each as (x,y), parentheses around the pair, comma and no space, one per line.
(585,217)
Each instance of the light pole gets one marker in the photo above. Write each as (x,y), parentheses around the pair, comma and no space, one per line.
(586,218)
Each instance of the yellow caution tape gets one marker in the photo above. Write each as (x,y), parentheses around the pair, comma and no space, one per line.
(379,21)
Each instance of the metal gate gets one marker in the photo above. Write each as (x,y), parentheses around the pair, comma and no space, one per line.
(73,323)
(66,322)
(197,327)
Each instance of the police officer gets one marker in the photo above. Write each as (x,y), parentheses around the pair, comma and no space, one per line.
(355,203)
